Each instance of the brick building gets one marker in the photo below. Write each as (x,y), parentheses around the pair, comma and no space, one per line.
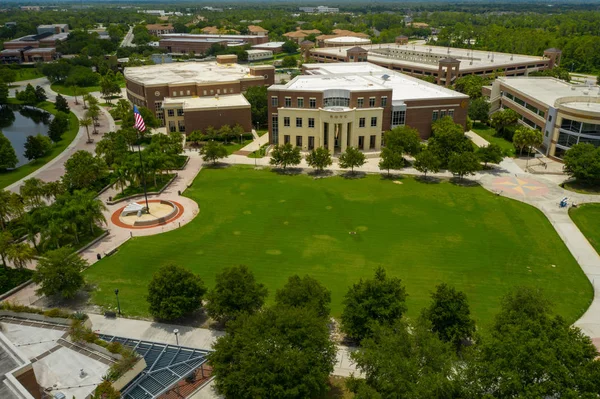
(565,113)
(190,96)
(352,104)
(257,30)
(160,29)
(444,64)
(185,43)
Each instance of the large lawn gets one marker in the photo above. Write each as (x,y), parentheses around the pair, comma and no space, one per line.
(489,134)
(587,218)
(424,233)
(8,178)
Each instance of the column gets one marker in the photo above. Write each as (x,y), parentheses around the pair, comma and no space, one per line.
(344,134)
(331,138)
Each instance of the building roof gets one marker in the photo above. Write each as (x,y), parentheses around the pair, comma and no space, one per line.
(40,50)
(208,102)
(258,51)
(207,36)
(356,50)
(257,29)
(186,72)
(427,57)
(297,34)
(53,26)
(159,26)
(306,43)
(344,32)
(347,39)
(364,76)
(269,45)
(547,90)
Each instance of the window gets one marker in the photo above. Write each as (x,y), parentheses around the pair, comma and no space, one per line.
(442,113)
(286,139)
(274,101)
(181,126)
(398,118)
(157,106)
(547,133)
(286,121)
(311,122)
(174,94)
(373,121)
(549,118)
(204,92)
(451,113)
(171,112)
(288,102)
(312,103)
(231,90)
(371,102)
(188,92)
(383,101)
(275,125)
(336,102)
(434,116)
(298,122)
(218,91)
(180,112)
(372,142)
(311,142)
(300,102)
(172,127)
(181,92)
(361,142)
(361,122)
(212,92)
(298,141)
(360,102)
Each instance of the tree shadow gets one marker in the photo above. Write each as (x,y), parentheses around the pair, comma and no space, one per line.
(464,182)
(197,319)
(77,303)
(353,175)
(216,165)
(321,174)
(391,176)
(428,179)
(288,171)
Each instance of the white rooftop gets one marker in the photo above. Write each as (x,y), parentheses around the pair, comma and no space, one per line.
(186,72)
(225,101)
(364,76)
(270,45)
(470,59)
(347,39)
(547,90)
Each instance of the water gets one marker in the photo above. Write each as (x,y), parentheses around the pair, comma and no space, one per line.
(18,122)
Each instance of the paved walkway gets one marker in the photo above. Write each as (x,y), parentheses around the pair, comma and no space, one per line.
(477,139)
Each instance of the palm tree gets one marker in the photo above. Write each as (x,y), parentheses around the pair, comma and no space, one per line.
(31,228)
(90,100)
(20,254)
(93,113)
(5,243)
(75,93)
(86,122)
(32,192)
(11,206)
(121,177)
(122,108)
(91,208)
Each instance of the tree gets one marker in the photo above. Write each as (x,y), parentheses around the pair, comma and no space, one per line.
(28,96)
(58,126)
(6,240)
(351,158)
(11,206)
(20,254)
(403,139)
(61,104)
(213,151)
(490,153)
(37,146)
(319,158)
(427,161)
(174,292)
(520,138)
(470,85)
(534,353)
(285,155)
(289,62)
(373,302)
(448,138)
(40,94)
(33,191)
(83,170)
(391,159)
(3,93)
(86,122)
(289,46)
(463,164)
(8,156)
(93,112)
(405,361)
(582,161)
(450,316)
(305,292)
(257,97)
(504,122)
(279,353)
(479,110)
(59,273)
(109,85)
(235,292)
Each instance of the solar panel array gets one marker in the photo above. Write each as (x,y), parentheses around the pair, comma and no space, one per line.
(165,366)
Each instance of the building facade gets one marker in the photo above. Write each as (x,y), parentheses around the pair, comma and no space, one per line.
(160,29)
(353,104)
(443,64)
(194,90)
(257,55)
(565,113)
(183,43)
(55,28)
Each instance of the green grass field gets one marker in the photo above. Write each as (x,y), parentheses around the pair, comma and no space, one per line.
(68,90)
(8,178)
(28,74)
(587,218)
(490,135)
(426,234)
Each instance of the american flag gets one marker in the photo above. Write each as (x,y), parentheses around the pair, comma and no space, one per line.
(139,121)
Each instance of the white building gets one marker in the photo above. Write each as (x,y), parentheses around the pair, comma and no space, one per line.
(255,55)
(319,10)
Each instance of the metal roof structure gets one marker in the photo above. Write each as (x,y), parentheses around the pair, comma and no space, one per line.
(165,366)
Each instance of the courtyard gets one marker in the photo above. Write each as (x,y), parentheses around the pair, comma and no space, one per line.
(338,230)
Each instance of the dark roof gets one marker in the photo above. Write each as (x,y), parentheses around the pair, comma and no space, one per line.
(306,42)
(449,60)
(357,50)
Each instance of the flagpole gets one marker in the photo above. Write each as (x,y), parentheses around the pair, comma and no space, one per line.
(143,173)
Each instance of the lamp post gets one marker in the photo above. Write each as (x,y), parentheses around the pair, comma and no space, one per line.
(240,138)
(176,332)
(118,303)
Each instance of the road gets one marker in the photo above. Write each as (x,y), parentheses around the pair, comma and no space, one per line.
(127,40)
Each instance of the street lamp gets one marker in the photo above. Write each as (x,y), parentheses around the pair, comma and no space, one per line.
(240,138)
(118,304)
(176,332)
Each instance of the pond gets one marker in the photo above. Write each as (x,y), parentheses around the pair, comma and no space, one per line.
(18,122)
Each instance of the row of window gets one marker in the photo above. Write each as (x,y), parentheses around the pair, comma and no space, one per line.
(437,114)
(204,92)
(311,141)
(180,126)
(311,122)
(171,112)
(329,102)
(580,127)
(523,103)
